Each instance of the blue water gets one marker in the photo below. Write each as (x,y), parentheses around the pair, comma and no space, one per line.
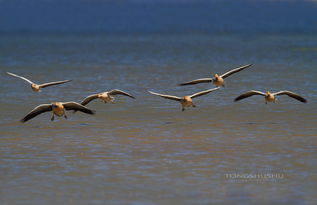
(147,151)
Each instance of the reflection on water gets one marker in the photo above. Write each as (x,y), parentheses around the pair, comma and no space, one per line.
(147,150)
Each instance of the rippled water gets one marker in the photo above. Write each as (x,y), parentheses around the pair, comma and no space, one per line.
(147,151)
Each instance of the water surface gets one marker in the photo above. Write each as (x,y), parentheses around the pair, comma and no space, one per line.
(147,151)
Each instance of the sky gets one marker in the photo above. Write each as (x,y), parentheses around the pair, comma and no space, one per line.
(158,15)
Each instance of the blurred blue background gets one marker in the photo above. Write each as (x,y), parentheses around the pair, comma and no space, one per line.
(159,15)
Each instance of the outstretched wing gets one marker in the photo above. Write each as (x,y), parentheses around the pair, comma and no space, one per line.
(171,97)
(89,99)
(36,111)
(291,94)
(77,107)
(235,71)
(203,92)
(201,80)
(23,78)
(53,83)
(119,92)
(249,94)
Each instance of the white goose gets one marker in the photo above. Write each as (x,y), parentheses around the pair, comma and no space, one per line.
(105,96)
(217,80)
(186,101)
(37,87)
(58,109)
(270,97)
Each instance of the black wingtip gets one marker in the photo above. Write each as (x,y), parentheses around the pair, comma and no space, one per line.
(23,120)
(237,99)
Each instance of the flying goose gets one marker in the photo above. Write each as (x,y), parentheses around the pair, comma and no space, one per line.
(185,101)
(37,87)
(58,109)
(217,80)
(270,97)
(105,96)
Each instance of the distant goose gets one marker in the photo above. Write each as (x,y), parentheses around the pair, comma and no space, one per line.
(270,97)
(217,80)
(105,96)
(58,109)
(37,87)
(185,101)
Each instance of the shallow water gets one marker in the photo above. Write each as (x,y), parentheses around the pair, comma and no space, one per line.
(147,151)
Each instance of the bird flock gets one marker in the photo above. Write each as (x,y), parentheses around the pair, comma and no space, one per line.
(59,108)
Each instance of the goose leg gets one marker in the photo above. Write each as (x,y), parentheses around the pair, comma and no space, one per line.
(52,118)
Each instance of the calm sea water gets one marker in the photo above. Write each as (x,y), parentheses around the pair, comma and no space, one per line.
(147,151)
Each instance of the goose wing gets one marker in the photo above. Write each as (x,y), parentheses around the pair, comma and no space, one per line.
(77,107)
(119,92)
(201,80)
(249,94)
(36,111)
(88,99)
(53,83)
(291,94)
(171,97)
(203,92)
(235,71)
(23,78)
